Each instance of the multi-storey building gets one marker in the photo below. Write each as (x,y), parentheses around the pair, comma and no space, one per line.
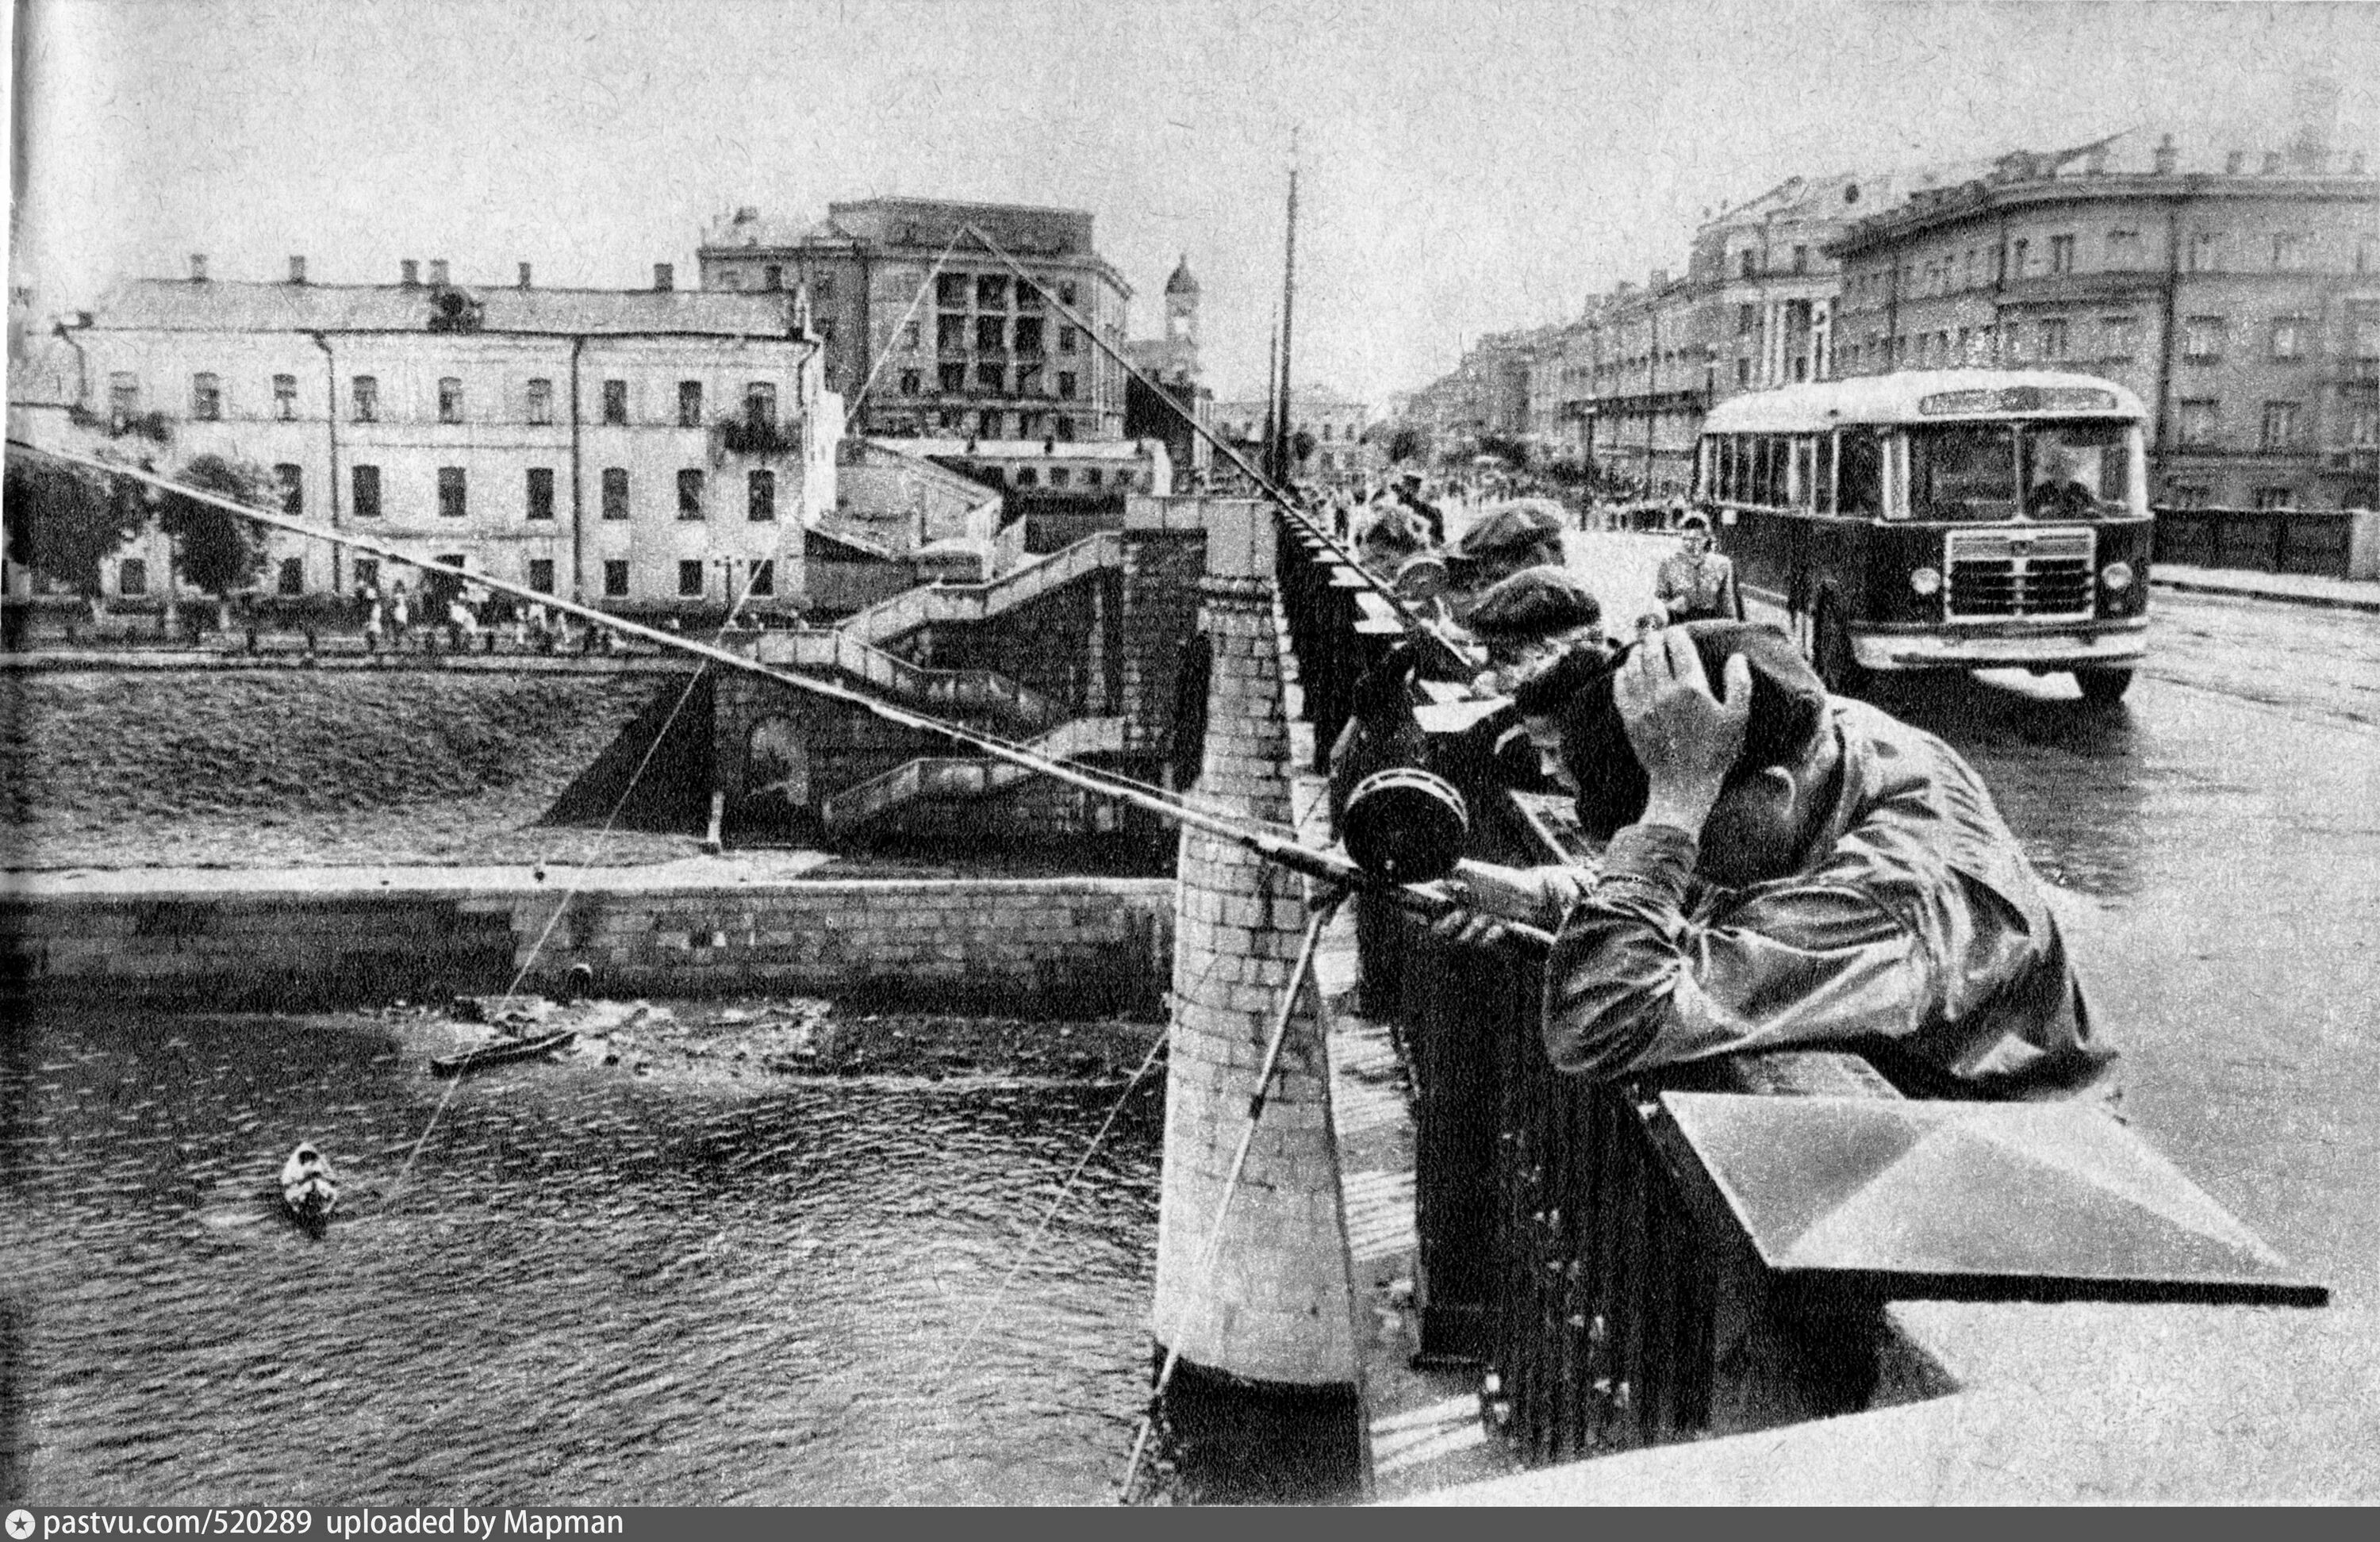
(1172,361)
(648,449)
(927,333)
(2237,291)
(1334,424)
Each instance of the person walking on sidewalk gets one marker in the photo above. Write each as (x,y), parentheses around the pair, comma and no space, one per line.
(1697,584)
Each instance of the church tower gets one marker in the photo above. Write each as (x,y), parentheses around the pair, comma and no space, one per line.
(1182,307)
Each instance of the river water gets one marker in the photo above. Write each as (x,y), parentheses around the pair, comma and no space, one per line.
(591,1287)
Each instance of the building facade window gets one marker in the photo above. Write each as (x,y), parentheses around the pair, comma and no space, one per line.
(292,477)
(1747,262)
(1800,260)
(689,494)
(990,334)
(2280,426)
(284,396)
(2292,251)
(690,404)
(689,578)
(2061,254)
(2201,420)
(451,499)
(123,398)
(773,275)
(1065,385)
(2124,249)
(292,576)
(761,495)
(912,336)
(760,405)
(541,401)
(911,382)
(540,492)
(987,425)
(450,400)
(2020,260)
(990,292)
(132,577)
(541,575)
(615,492)
(1066,292)
(615,577)
(363,487)
(2277,497)
(2120,336)
(1065,339)
(2054,337)
(763,582)
(1028,335)
(990,377)
(2290,336)
(951,290)
(2188,495)
(2205,251)
(616,402)
(206,397)
(952,377)
(2202,339)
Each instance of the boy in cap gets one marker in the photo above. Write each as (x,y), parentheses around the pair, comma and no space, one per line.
(1409,497)
(1529,621)
(1787,869)
(1503,542)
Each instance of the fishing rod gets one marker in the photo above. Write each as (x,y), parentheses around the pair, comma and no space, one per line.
(1405,863)
(1413,624)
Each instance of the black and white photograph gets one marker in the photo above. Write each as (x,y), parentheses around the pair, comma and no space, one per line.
(1220,753)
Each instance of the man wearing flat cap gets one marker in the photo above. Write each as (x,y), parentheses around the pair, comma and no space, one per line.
(1787,869)
(1503,542)
(1409,497)
(1529,621)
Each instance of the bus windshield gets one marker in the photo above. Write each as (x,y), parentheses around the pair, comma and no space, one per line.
(1962,471)
(2076,470)
(2066,469)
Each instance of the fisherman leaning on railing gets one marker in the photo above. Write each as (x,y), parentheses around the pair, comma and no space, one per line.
(1784,868)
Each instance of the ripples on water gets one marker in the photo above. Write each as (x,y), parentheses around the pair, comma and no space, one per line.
(592,1288)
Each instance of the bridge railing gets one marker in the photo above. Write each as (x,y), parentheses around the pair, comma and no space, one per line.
(2334,543)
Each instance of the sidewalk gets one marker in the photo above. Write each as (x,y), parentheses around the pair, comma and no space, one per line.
(2289,588)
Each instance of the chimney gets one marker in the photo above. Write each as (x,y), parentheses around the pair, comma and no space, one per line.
(409,274)
(2166,156)
(438,272)
(198,267)
(2235,162)
(524,276)
(2355,164)
(297,270)
(662,279)
(2272,162)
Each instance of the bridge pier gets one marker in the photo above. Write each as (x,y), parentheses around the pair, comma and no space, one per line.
(1267,1312)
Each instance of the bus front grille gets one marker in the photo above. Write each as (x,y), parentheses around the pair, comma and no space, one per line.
(2020,572)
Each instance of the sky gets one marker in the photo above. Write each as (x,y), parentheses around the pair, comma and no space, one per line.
(1465,167)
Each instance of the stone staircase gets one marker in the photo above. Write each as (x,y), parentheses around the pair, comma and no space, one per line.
(940,692)
(955,778)
(929,604)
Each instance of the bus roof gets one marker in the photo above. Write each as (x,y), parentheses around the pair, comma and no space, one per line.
(1924,396)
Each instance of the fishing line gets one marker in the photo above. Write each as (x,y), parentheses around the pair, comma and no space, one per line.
(997,1296)
(579,882)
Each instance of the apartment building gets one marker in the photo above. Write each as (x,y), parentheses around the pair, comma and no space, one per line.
(650,449)
(926,333)
(1333,421)
(2236,289)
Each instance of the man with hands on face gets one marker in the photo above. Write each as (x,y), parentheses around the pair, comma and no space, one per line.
(1784,869)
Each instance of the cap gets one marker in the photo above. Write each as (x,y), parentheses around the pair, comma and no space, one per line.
(1693,522)
(1394,529)
(1788,711)
(1537,603)
(1507,533)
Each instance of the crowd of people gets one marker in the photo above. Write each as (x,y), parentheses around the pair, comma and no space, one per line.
(1779,867)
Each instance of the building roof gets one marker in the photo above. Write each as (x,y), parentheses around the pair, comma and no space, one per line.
(220,306)
(1181,283)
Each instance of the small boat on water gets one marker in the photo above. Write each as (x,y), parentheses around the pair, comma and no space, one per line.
(307,1184)
(503,1051)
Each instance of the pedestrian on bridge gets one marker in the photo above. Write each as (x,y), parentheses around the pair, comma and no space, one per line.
(1696,583)
(1784,869)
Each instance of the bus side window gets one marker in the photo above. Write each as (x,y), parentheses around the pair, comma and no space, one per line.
(1806,481)
(1861,486)
(1823,481)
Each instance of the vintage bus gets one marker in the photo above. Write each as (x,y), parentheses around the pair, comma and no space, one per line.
(1941,519)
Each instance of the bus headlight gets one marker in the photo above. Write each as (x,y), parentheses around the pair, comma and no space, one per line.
(1926,580)
(2117,575)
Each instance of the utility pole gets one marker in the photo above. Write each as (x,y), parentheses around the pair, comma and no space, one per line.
(1284,451)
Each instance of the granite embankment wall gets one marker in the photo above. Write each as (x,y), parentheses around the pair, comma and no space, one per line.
(1065,947)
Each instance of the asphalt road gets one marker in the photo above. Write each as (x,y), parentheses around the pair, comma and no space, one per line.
(2214,845)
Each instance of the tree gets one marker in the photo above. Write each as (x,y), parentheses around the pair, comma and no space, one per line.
(215,551)
(1404,445)
(66,520)
(1301,445)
